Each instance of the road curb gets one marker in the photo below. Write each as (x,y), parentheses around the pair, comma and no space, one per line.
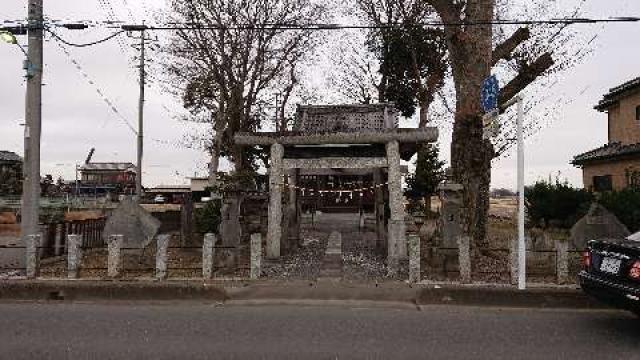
(507,297)
(304,293)
(109,290)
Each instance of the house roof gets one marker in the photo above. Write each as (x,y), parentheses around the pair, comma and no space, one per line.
(108,166)
(607,152)
(616,93)
(9,156)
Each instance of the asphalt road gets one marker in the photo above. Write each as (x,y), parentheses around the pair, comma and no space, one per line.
(197,331)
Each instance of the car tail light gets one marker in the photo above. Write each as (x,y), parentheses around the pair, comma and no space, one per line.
(586,260)
(634,273)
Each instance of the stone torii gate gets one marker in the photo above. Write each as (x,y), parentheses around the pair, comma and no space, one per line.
(342,137)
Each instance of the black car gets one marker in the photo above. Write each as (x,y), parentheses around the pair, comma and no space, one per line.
(611,273)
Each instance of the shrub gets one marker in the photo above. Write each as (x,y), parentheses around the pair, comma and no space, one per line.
(555,203)
(424,182)
(625,205)
(207,219)
(429,173)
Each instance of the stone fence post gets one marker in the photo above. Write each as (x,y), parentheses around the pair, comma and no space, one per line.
(74,255)
(114,263)
(32,244)
(464,258)
(562,261)
(208,253)
(414,258)
(274,232)
(161,256)
(256,256)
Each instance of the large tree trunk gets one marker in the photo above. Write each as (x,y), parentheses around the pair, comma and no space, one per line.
(424,113)
(215,162)
(471,164)
(470,51)
(424,103)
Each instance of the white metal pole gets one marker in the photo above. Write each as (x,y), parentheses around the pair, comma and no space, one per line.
(522,250)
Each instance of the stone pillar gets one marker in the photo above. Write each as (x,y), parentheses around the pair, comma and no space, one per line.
(290,231)
(464,258)
(114,262)
(274,232)
(161,256)
(74,255)
(32,244)
(414,258)
(58,242)
(294,203)
(379,208)
(256,256)
(208,253)
(396,238)
(562,261)
(450,213)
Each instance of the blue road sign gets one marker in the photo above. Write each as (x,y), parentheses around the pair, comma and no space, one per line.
(490,93)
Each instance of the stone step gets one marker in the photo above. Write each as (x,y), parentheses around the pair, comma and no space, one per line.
(332,264)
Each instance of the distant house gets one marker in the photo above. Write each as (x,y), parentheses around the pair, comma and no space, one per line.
(616,165)
(108,177)
(10,173)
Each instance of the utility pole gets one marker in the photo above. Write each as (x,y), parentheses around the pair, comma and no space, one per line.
(140,118)
(33,120)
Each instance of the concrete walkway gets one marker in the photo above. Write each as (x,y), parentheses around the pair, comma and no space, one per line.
(332,267)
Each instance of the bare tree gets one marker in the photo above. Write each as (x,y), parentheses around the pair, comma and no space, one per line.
(228,58)
(355,68)
(412,58)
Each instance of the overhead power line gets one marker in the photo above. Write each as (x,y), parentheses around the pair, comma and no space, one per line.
(324,26)
(90,81)
(85,44)
(115,24)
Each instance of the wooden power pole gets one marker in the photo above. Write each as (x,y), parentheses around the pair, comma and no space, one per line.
(140,118)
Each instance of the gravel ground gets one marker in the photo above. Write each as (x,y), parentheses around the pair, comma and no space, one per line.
(361,260)
(305,263)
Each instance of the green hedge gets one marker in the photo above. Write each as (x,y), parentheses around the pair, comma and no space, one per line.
(555,204)
(625,205)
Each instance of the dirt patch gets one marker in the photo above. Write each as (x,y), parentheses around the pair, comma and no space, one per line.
(83,215)
(10,230)
(8,218)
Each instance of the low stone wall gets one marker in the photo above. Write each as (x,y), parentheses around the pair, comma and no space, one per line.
(550,257)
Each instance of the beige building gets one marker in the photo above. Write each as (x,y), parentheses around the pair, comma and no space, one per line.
(616,165)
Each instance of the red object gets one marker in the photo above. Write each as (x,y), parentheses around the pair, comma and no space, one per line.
(586,260)
(634,273)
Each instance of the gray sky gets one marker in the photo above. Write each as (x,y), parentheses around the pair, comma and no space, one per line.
(75,118)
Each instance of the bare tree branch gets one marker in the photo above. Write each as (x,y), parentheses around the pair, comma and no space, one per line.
(506,48)
(527,75)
